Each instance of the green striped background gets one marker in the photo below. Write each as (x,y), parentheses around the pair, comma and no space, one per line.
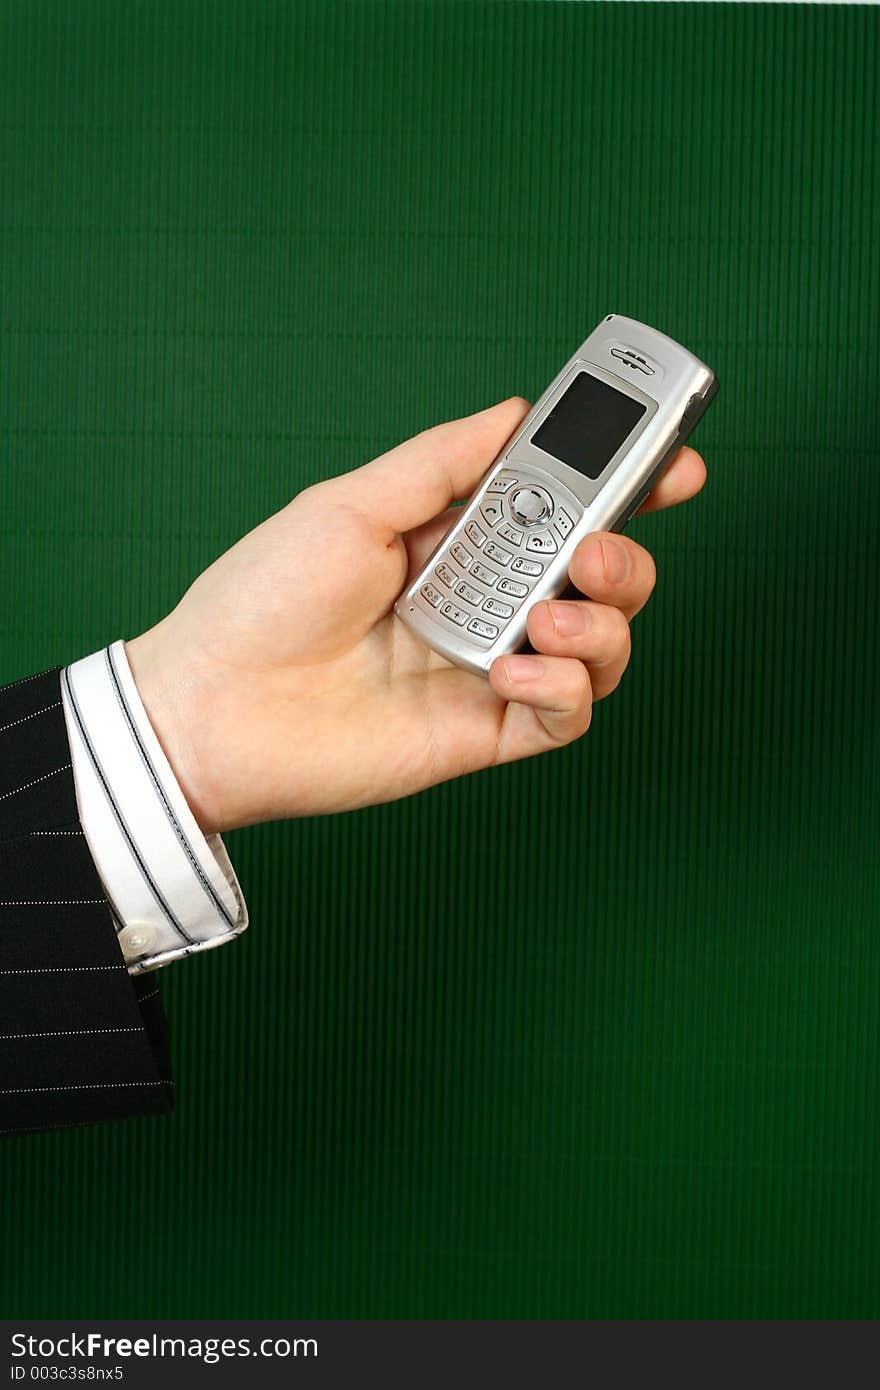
(592,1036)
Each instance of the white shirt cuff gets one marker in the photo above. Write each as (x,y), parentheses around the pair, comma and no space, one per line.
(172,890)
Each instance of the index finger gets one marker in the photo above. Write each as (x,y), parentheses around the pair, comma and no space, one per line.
(682,480)
(610,568)
(411,483)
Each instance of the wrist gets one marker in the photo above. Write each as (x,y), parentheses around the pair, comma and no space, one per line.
(172,698)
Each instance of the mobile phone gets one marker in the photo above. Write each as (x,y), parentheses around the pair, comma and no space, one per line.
(584,459)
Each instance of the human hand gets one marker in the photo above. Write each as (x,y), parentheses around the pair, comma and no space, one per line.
(283,685)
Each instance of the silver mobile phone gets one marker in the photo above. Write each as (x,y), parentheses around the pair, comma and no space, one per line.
(584,459)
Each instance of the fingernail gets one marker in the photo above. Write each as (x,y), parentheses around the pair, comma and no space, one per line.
(616,562)
(568,618)
(523,668)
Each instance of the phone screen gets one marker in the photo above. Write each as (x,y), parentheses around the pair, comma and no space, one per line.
(588,424)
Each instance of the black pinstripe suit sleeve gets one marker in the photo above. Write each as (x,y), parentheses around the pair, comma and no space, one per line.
(81,1040)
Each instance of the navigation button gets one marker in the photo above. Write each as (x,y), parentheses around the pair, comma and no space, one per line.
(530,506)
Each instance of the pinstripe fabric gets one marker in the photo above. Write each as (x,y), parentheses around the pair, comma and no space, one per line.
(79,1039)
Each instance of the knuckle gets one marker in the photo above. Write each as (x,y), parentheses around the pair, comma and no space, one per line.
(616,640)
(585,709)
(433,434)
(611,680)
(314,492)
(574,709)
(582,698)
(650,572)
(540,613)
(621,636)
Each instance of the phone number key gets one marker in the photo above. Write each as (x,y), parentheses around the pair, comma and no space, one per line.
(454,614)
(481,629)
(431,595)
(494,552)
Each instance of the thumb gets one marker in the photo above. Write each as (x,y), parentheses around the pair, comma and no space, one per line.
(421,477)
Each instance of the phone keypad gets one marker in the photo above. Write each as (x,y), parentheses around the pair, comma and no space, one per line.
(469,594)
(494,552)
(482,593)
(484,574)
(543,543)
(510,533)
(431,595)
(487,630)
(498,610)
(458,615)
(529,567)
(447,575)
(513,587)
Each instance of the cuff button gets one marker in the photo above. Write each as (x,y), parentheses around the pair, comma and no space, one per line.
(137,939)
